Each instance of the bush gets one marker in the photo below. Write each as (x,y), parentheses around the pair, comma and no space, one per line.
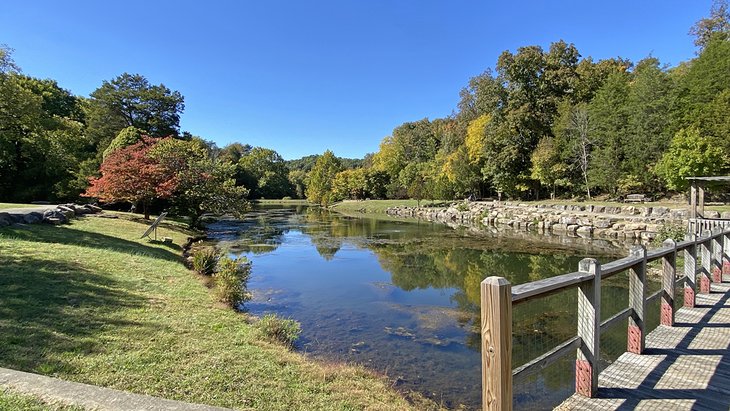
(231,281)
(278,329)
(204,260)
(670,231)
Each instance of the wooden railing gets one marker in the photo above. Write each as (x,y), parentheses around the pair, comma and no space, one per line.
(498,297)
(700,225)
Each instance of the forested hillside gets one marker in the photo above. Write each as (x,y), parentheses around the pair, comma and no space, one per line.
(543,122)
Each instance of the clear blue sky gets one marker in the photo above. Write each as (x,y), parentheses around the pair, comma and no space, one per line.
(304,76)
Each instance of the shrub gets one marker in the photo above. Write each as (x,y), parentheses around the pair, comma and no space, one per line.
(278,329)
(670,231)
(231,280)
(204,260)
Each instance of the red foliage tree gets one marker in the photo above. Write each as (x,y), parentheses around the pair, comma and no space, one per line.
(130,174)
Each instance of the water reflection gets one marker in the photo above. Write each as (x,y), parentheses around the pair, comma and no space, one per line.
(403,297)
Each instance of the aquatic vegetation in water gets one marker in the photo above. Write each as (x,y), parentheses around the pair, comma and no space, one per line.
(278,329)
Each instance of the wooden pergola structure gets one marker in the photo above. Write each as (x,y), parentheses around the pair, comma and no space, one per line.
(697,220)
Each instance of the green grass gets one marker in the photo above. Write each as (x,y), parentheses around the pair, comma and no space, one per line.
(90,302)
(11,401)
(6,206)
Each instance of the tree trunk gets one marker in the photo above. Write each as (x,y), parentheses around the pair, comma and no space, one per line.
(146,209)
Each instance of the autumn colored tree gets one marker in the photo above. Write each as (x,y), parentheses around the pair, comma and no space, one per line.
(130,174)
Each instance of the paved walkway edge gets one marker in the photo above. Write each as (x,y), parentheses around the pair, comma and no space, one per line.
(90,396)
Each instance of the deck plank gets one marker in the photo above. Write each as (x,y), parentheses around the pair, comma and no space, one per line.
(685,367)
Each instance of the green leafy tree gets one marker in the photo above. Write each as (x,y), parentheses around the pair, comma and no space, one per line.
(202,184)
(690,154)
(130,100)
(265,173)
(128,136)
(716,26)
(319,189)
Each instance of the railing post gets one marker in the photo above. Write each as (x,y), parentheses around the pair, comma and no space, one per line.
(705,255)
(496,296)
(716,261)
(587,367)
(690,271)
(669,280)
(726,252)
(637,301)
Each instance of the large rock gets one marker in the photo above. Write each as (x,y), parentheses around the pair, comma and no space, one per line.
(5,220)
(54,217)
(33,218)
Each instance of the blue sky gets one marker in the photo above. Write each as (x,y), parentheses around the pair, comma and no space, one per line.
(304,76)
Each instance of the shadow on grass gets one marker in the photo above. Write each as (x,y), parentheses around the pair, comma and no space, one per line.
(67,235)
(51,311)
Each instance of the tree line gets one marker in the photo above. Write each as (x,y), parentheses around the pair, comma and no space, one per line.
(542,123)
(550,123)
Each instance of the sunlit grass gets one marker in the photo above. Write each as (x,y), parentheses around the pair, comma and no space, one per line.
(6,206)
(91,302)
(19,402)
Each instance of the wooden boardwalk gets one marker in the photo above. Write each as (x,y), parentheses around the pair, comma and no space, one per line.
(685,367)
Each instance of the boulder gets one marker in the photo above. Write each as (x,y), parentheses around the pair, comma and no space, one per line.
(603,223)
(33,218)
(725,215)
(712,214)
(584,231)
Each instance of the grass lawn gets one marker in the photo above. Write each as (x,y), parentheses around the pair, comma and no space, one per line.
(17,402)
(90,302)
(6,206)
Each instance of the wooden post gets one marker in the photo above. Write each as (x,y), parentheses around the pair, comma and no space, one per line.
(496,293)
(690,271)
(705,246)
(587,366)
(726,252)
(693,200)
(637,301)
(701,200)
(669,279)
(716,261)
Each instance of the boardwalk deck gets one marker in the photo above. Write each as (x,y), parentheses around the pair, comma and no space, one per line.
(685,367)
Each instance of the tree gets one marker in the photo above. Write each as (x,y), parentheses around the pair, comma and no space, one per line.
(130,100)
(202,184)
(128,136)
(690,154)
(319,189)
(131,174)
(265,173)
(547,166)
(716,26)
(233,152)
(574,138)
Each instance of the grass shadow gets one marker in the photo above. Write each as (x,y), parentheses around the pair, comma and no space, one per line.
(70,236)
(51,311)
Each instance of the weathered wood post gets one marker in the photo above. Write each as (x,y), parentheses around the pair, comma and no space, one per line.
(637,301)
(705,252)
(726,252)
(496,296)
(589,330)
(669,274)
(716,260)
(690,271)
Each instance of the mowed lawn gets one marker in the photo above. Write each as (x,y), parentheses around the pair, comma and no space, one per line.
(91,302)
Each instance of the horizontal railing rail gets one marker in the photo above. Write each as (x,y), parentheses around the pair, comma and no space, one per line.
(498,298)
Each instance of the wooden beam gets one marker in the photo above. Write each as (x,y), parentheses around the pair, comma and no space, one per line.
(705,256)
(716,260)
(637,301)
(496,301)
(669,274)
(693,200)
(690,271)
(587,364)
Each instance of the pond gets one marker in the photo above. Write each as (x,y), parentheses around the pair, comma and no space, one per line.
(402,297)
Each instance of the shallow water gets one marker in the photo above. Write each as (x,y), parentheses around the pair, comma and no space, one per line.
(402,297)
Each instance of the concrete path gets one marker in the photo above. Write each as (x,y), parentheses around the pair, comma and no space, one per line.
(89,396)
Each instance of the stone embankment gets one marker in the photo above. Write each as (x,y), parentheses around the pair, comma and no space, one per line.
(59,214)
(588,221)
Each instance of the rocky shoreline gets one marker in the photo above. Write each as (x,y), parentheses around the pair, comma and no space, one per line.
(637,223)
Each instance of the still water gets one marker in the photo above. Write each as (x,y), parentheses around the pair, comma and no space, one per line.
(402,297)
